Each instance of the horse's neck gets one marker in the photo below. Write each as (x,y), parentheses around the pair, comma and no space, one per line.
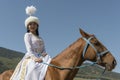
(71,56)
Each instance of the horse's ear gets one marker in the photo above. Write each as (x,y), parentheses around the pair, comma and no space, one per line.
(84,34)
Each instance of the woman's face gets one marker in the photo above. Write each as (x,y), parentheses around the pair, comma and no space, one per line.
(32,26)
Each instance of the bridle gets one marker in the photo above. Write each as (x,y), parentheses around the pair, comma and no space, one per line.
(84,51)
(99,54)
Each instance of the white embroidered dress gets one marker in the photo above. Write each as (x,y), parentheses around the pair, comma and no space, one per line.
(27,68)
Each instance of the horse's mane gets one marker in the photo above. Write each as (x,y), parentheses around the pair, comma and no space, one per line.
(66,49)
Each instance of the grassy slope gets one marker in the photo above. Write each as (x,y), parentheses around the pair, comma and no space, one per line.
(94,72)
(9,59)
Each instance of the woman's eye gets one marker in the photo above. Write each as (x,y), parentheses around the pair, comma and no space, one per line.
(30,24)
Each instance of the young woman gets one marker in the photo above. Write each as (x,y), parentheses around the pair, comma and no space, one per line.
(31,66)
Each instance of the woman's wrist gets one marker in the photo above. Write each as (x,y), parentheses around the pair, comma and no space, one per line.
(44,54)
(38,60)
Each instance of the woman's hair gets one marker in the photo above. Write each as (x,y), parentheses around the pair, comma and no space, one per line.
(37,32)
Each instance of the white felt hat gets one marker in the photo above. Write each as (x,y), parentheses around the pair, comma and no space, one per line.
(30,10)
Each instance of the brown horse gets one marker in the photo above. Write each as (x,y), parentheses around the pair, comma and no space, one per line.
(85,48)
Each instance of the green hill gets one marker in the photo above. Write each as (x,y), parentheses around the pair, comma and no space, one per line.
(94,72)
(10,58)
(7,53)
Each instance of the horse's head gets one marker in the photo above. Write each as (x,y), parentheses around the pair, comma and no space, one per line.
(95,51)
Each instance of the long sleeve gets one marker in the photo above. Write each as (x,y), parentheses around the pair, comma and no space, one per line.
(28,44)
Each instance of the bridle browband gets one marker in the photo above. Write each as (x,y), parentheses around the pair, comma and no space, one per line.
(86,47)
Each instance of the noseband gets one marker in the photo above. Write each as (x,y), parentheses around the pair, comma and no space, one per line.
(86,47)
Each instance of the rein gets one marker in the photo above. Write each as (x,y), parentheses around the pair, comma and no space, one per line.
(67,68)
(77,67)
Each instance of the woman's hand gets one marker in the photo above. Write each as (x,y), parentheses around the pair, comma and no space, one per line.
(44,54)
(38,60)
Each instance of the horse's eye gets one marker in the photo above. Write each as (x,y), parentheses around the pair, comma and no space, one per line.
(96,42)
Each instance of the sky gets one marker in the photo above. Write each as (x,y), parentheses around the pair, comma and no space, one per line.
(60,21)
